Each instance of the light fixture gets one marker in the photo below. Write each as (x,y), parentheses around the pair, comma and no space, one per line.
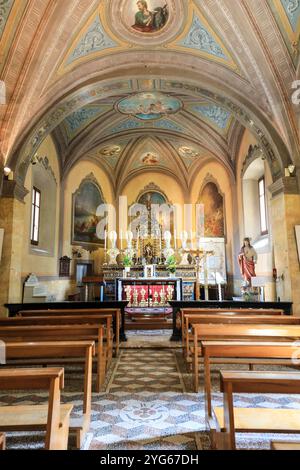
(6,171)
(291,169)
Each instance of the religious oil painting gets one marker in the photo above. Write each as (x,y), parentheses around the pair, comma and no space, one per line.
(149,106)
(146,16)
(86,201)
(213,201)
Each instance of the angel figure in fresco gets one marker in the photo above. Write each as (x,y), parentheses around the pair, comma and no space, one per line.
(247,259)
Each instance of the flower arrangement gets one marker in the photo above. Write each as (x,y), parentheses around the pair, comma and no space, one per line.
(171,264)
(127,261)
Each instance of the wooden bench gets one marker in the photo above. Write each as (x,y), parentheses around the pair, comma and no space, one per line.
(115,312)
(285,445)
(2,441)
(64,333)
(226,311)
(229,319)
(228,420)
(230,332)
(258,352)
(41,352)
(105,320)
(53,418)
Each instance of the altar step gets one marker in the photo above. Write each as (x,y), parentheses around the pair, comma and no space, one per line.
(143,325)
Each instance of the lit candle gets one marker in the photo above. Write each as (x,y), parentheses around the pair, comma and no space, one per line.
(175,239)
(191,239)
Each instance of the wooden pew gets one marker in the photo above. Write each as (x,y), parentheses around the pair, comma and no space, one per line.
(2,441)
(230,332)
(104,319)
(115,312)
(84,332)
(196,312)
(285,445)
(228,420)
(43,351)
(258,352)
(230,319)
(226,311)
(53,418)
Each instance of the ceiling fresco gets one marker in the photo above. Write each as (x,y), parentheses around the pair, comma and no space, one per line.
(149,106)
(287,15)
(80,119)
(5,9)
(96,38)
(191,75)
(146,16)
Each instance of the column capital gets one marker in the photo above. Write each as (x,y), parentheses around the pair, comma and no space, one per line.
(284,185)
(14,190)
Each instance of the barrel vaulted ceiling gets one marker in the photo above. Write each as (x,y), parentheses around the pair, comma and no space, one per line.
(73,69)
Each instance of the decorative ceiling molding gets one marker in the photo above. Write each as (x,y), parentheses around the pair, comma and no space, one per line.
(79,120)
(292,10)
(93,40)
(5,9)
(220,117)
(287,15)
(199,37)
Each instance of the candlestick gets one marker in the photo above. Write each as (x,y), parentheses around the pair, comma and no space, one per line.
(105,240)
(121,239)
(175,239)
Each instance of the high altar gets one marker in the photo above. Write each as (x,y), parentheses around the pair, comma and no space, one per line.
(197,264)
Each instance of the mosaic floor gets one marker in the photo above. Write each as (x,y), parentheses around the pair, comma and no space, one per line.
(147,404)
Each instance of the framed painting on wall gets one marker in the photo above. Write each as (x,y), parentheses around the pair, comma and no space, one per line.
(297,232)
(86,201)
(214,212)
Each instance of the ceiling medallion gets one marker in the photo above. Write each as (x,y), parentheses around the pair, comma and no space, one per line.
(149,106)
(147,16)
(146,22)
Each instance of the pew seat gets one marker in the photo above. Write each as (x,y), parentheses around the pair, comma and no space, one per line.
(61,333)
(228,420)
(59,353)
(285,445)
(2,441)
(54,418)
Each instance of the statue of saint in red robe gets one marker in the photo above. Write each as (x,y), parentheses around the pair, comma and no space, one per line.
(247,260)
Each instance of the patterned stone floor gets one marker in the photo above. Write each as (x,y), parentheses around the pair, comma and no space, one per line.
(147,404)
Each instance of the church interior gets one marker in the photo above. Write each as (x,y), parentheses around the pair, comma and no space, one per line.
(149,225)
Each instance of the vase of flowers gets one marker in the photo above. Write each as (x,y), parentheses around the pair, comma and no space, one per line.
(171,265)
(127,262)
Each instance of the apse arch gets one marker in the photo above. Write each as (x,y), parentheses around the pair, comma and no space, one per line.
(268,136)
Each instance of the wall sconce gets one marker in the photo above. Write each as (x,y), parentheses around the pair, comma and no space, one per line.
(290,170)
(8,174)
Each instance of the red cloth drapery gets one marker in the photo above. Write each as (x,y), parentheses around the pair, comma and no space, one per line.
(247,267)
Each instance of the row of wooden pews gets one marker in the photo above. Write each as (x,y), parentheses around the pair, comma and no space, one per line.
(48,338)
(243,337)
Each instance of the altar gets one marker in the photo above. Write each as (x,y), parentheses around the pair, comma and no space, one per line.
(148,298)
(149,292)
